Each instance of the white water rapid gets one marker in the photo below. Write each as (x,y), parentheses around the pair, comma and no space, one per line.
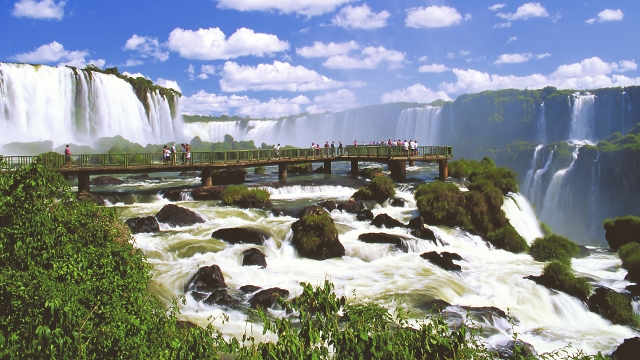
(68,105)
(582,117)
(381,273)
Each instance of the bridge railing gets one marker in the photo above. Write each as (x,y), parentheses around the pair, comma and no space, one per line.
(232,156)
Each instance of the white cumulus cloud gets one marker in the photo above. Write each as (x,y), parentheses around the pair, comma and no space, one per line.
(340,100)
(212,44)
(369,58)
(608,15)
(171,84)
(43,9)
(273,108)
(432,17)
(414,93)
(55,52)
(513,58)
(203,103)
(320,49)
(303,7)
(524,12)
(147,47)
(433,68)
(280,76)
(496,7)
(360,17)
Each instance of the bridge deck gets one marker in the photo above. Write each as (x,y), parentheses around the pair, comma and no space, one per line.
(153,162)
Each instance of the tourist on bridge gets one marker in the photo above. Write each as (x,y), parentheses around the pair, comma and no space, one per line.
(333,148)
(340,148)
(277,149)
(326,149)
(165,155)
(67,155)
(188,149)
(173,154)
(183,151)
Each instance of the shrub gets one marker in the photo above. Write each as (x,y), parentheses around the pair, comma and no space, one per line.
(613,306)
(558,275)
(382,188)
(622,230)
(507,238)
(440,203)
(315,226)
(259,170)
(630,256)
(234,193)
(554,247)
(546,229)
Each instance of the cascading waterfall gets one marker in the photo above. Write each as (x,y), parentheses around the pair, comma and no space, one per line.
(68,105)
(542,125)
(522,217)
(534,192)
(422,124)
(626,113)
(582,117)
(555,200)
(594,195)
(526,186)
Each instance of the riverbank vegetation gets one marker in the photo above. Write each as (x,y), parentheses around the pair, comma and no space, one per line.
(554,248)
(478,210)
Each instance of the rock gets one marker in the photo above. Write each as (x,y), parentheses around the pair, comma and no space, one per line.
(228,176)
(628,350)
(252,203)
(206,279)
(189,173)
(295,169)
(382,238)
(221,297)
(351,206)
(329,205)
(621,231)
(633,274)
(584,252)
(284,212)
(105,180)
(397,202)
(253,257)
(174,194)
(364,215)
(315,235)
(451,256)
(207,193)
(138,177)
(516,349)
(435,305)
(267,298)
(241,236)
(147,224)
(93,198)
(386,221)
(175,215)
(248,289)
(612,305)
(419,230)
(550,282)
(441,261)
(634,289)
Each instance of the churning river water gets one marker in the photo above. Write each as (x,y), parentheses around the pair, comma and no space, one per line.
(377,273)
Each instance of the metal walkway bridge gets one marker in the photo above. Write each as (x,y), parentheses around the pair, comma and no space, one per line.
(85,165)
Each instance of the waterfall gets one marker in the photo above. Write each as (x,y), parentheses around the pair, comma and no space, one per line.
(68,105)
(529,177)
(542,126)
(582,117)
(594,196)
(522,217)
(626,113)
(555,206)
(422,124)
(535,194)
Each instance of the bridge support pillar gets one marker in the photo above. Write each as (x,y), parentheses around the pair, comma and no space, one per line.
(83,183)
(282,171)
(206,177)
(412,163)
(443,168)
(354,167)
(327,167)
(398,170)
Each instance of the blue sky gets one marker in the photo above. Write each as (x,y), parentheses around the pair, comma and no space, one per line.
(269,58)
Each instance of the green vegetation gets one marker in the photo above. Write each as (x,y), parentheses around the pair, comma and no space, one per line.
(546,229)
(370,173)
(478,210)
(235,193)
(313,228)
(617,308)
(142,88)
(71,283)
(558,275)
(630,256)
(622,230)
(379,189)
(259,170)
(554,247)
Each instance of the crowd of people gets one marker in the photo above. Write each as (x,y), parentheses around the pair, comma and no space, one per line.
(170,154)
(409,147)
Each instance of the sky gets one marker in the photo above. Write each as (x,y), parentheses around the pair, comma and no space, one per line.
(272,58)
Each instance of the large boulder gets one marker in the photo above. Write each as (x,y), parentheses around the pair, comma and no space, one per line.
(350,206)
(419,230)
(248,289)
(441,261)
(330,205)
(397,202)
(628,350)
(267,298)
(621,231)
(241,236)
(364,215)
(174,194)
(206,280)
(294,169)
(384,220)
(611,305)
(204,193)
(252,257)
(379,189)
(315,235)
(516,349)
(228,176)
(221,297)
(105,180)
(175,215)
(138,177)
(147,224)
(382,238)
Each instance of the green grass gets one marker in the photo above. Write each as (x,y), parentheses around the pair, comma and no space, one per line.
(507,238)
(553,247)
(236,193)
(558,275)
